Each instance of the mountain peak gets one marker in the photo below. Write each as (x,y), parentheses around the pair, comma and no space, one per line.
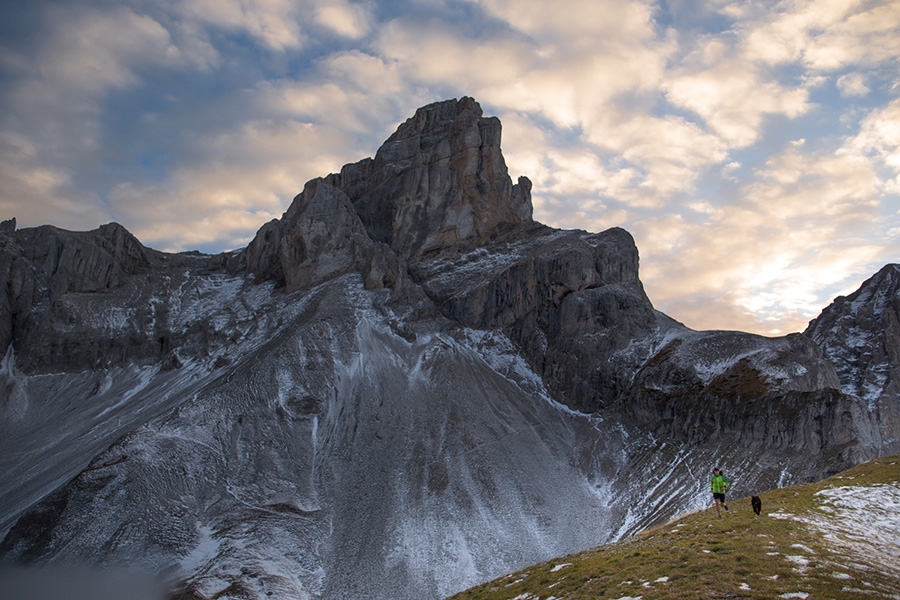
(435,119)
(439,182)
(860,335)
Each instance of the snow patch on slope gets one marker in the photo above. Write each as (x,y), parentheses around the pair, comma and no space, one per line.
(864,522)
(861,522)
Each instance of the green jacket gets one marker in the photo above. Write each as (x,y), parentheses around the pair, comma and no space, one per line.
(718,484)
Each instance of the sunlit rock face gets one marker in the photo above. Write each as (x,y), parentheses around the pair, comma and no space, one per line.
(860,335)
(401,388)
(439,182)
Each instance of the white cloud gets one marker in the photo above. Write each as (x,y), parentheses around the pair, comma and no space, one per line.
(242,178)
(861,35)
(825,35)
(853,84)
(879,136)
(275,23)
(671,150)
(731,93)
(603,22)
(729,81)
(808,222)
(96,50)
(36,194)
(352,20)
(84,54)
(351,91)
(52,110)
(88,52)
(434,53)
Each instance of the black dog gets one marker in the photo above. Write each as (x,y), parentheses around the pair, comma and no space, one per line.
(756,503)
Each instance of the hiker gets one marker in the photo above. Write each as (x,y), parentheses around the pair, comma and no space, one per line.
(719,485)
(725,477)
(727,486)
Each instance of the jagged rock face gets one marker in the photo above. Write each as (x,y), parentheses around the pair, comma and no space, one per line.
(74,301)
(860,335)
(759,392)
(320,237)
(375,398)
(439,181)
(565,297)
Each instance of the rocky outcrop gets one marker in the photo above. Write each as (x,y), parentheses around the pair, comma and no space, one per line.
(860,335)
(756,392)
(56,284)
(439,182)
(565,297)
(319,237)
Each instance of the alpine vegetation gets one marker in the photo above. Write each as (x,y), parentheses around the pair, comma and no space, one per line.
(832,539)
(403,387)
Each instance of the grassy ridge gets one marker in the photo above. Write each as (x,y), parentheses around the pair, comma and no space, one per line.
(741,556)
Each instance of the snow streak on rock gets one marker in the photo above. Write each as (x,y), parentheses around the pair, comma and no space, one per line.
(860,335)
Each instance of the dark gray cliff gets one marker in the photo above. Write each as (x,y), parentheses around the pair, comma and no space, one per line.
(779,393)
(400,388)
(440,181)
(56,284)
(566,297)
(860,335)
(319,237)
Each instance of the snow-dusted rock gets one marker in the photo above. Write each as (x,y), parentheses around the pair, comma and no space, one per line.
(860,335)
(760,392)
(87,300)
(319,237)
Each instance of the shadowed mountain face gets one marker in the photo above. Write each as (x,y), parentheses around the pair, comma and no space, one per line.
(860,335)
(401,388)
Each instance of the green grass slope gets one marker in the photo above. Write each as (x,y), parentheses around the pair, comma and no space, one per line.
(838,538)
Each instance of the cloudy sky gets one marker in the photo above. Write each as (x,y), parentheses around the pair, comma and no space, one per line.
(751,148)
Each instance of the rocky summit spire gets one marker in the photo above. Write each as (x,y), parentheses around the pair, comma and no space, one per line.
(438,182)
